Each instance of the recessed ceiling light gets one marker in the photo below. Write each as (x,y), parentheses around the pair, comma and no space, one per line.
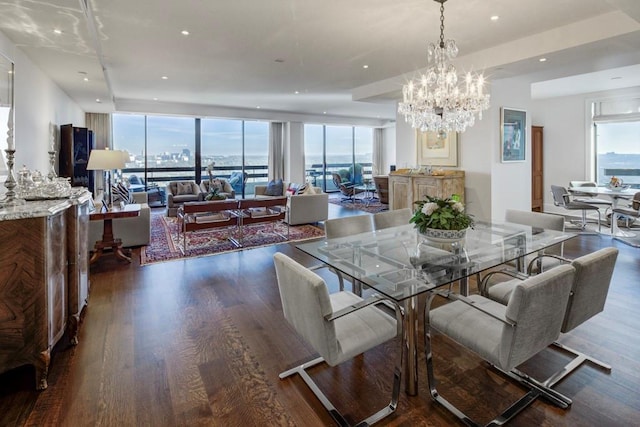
(165,77)
(365,66)
(494,18)
(184,32)
(155,99)
(86,79)
(98,100)
(297,92)
(542,59)
(258,107)
(324,112)
(57,31)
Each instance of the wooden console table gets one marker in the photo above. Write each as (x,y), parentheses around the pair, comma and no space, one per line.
(407,188)
(108,240)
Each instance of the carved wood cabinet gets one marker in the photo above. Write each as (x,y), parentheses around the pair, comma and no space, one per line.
(405,188)
(39,287)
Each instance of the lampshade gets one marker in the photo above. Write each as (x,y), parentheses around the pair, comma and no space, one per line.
(106,160)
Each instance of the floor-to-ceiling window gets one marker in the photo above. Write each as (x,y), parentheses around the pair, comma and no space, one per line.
(345,150)
(165,148)
(617,141)
(239,149)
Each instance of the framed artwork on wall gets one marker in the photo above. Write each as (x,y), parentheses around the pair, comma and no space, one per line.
(435,151)
(513,135)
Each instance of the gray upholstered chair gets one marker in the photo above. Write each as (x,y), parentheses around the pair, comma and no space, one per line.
(346,226)
(386,219)
(562,198)
(179,192)
(339,327)
(588,295)
(539,220)
(505,336)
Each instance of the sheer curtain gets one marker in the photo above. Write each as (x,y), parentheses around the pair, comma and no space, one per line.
(276,150)
(100,124)
(378,152)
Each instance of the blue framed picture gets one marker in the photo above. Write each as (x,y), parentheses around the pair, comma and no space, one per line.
(513,126)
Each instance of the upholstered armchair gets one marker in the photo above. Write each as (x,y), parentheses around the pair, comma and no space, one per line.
(382,187)
(504,336)
(347,188)
(338,326)
(588,296)
(179,192)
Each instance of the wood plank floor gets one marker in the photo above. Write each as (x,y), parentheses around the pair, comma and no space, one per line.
(201,342)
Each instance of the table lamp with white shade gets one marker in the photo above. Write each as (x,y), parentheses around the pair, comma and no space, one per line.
(106,160)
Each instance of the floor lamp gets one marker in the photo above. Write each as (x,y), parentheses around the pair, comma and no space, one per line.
(106,161)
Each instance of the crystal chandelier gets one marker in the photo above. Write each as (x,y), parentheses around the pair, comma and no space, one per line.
(436,102)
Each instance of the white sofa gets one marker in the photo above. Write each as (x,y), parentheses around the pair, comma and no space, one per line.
(308,208)
(135,231)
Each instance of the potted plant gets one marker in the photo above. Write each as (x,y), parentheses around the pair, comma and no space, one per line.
(442,219)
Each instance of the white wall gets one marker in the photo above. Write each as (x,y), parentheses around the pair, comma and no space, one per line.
(492,186)
(38,102)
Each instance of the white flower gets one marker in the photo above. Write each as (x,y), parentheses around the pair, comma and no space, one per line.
(429,208)
(459,207)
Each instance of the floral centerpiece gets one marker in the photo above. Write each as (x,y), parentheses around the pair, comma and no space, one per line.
(441,218)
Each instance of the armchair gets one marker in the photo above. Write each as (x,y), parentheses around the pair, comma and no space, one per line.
(339,327)
(347,188)
(505,336)
(588,295)
(382,187)
(179,192)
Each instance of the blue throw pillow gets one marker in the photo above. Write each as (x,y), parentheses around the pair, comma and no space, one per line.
(274,188)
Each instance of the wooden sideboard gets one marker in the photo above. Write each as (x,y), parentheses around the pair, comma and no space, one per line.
(43,279)
(407,188)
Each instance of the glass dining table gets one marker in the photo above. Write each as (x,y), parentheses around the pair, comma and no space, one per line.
(399,264)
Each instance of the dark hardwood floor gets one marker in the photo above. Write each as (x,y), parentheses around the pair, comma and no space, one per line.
(201,342)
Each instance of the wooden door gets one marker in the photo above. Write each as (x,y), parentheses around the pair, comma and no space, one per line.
(537,179)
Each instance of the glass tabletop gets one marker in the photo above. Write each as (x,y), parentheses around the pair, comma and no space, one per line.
(400,263)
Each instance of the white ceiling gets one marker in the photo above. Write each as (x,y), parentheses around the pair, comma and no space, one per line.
(250,53)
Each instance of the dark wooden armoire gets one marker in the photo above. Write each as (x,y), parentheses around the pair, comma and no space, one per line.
(75,145)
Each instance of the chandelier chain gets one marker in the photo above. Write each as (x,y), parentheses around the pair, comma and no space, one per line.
(442,25)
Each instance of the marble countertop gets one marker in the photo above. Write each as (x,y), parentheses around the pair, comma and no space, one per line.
(40,208)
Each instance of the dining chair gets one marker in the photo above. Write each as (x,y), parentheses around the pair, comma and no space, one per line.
(631,212)
(346,226)
(587,298)
(538,220)
(504,336)
(338,326)
(562,198)
(386,219)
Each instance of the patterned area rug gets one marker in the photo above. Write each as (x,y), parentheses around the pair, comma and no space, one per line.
(372,206)
(166,239)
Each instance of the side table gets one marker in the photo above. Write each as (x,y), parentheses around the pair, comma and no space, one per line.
(108,240)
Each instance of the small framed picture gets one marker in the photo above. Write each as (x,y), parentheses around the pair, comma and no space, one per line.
(437,150)
(513,134)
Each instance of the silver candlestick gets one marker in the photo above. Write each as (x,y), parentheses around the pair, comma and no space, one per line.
(10,183)
(52,166)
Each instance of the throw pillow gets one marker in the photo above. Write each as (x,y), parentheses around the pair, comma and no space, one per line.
(302,188)
(184,188)
(120,193)
(310,189)
(274,188)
